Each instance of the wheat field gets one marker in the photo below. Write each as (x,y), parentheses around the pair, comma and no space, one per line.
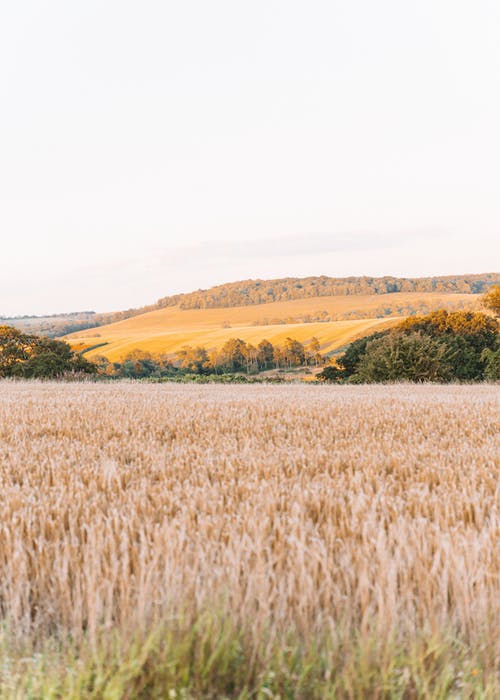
(167,330)
(183,541)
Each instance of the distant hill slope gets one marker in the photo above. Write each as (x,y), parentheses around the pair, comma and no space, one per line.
(248,292)
(54,325)
(334,320)
(258,292)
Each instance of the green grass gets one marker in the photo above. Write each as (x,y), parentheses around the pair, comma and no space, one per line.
(211,659)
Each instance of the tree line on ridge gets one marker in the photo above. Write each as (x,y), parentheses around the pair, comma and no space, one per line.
(253,292)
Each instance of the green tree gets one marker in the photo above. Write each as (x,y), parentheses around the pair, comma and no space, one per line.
(403,356)
(466,333)
(355,351)
(491,359)
(32,356)
(15,350)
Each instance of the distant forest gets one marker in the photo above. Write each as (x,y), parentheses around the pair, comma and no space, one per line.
(253,292)
(249,292)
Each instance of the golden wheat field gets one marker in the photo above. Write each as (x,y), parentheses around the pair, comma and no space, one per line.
(183,541)
(167,330)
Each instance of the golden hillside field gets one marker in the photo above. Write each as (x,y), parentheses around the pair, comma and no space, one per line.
(167,330)
(306,542)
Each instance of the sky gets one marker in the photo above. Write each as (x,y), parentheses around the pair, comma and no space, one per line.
(155,147)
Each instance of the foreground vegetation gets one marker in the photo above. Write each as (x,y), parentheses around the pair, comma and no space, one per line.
(167,541)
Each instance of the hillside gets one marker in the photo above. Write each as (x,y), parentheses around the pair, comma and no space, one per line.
(334,320)
(54,325)
(246,292)
(258,292)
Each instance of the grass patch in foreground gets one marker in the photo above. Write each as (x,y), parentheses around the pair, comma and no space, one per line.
(213,660)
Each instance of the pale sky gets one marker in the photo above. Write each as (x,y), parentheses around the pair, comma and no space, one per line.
(153,147)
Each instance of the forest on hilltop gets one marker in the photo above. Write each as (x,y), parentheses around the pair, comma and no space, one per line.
(255,292)
(249,292)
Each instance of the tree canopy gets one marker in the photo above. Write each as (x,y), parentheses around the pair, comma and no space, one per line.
(247,292)
(441,346)
(33,357)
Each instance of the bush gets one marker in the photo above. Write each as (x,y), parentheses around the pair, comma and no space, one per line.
(491,359)
(441,346)
(331,373)
(400,356)
(356,350)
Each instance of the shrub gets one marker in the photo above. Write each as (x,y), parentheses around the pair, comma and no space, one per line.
(440,346)
(400,356)
(331,373)
(491,359)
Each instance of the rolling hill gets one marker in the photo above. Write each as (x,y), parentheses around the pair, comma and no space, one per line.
(258,291)
(334,320)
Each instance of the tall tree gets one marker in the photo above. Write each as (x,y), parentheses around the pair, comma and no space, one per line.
(294,352)
(315,350)
(265,356)
(232,355)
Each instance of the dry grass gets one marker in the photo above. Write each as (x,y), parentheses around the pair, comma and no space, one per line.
(344,537)
(167,330)
(331,335)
